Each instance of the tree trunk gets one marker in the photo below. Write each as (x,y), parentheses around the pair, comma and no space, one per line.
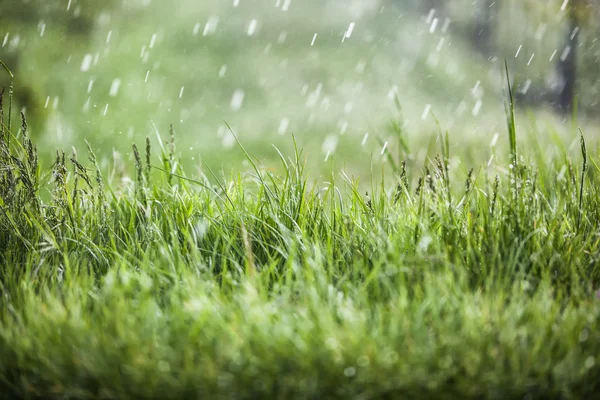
(485,27)
(426,5)
(567,64)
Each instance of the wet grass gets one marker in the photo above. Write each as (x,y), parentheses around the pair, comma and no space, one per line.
(438,284)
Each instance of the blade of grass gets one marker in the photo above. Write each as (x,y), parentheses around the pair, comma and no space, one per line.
(510,119)
(583,171)
(11,89)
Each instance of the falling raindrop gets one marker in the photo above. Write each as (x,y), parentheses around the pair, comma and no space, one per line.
(237,100)
(86,105)
(343,127)
(430,16)
(210,26)
(329,144)
(152,41)
(282,37)
(494,139)
(565,53)
(86,63)
(475,89)
(446,25)
(283,126)
(252,27)
(114,87)
(526,86)
(434,25)
(350,30)
(541,31)
(518,51)
(364,140)
(325,103)
(385,145)
(348,107)
(426,112)
(477,107)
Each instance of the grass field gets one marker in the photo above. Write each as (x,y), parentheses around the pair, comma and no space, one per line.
(470,279)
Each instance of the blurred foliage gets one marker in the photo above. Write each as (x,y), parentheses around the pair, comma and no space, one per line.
(533,36)
(339,89)
(24,21)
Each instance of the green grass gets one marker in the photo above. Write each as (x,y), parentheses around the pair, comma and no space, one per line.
(441,282)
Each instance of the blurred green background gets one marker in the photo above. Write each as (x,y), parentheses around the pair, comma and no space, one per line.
(326,71)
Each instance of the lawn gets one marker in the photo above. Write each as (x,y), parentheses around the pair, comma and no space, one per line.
(364,221)
(444,280)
